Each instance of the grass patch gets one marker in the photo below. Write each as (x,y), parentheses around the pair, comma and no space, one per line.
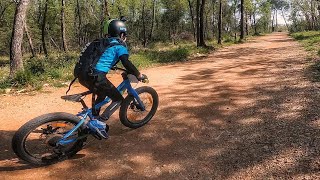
(309,39)
(40,70)
(167,54)
(311,42)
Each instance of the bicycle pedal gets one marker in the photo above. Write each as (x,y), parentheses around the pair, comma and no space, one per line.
(95,135)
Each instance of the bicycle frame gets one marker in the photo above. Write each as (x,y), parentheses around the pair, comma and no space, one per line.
(125,85)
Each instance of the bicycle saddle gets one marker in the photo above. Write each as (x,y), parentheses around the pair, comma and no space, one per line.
(75,97)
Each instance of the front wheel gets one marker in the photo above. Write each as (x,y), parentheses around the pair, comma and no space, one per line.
(131,115)
(36,141)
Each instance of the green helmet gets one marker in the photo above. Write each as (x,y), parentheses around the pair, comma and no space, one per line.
(114,28)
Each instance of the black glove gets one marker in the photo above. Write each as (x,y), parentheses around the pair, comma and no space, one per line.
(143,78)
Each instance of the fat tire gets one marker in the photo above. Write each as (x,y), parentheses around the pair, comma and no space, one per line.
(18,140)
(125,104)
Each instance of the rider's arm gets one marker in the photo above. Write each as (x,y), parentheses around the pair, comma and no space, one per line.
(129,66)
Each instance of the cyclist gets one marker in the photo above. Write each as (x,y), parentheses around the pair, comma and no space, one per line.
(116,31)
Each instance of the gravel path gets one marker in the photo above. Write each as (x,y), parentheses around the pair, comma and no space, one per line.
(247,111)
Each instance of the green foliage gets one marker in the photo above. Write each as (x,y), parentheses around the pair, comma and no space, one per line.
(40,70)
(5,83)
(35,66)
(311,41)
(304,15)
(23,78)
(150,57)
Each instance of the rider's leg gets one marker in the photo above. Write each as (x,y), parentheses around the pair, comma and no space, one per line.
(103,88)
(106,88)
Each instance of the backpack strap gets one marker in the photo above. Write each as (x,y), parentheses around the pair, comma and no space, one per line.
(71,85)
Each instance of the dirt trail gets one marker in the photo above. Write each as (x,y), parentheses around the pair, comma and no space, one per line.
(246,112)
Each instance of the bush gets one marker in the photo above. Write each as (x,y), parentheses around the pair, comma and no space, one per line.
(54,73)
(22,78)
(179,54)
(35,66)
(5,84)
(311,42)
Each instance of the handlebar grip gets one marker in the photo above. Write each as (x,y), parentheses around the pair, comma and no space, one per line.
(145,81)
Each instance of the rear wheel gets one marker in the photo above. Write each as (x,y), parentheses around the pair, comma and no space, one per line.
(35,142)
(131,115)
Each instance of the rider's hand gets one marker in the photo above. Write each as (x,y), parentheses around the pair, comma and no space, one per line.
(143,78)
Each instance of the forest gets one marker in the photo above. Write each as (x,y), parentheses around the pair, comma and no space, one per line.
(40,40)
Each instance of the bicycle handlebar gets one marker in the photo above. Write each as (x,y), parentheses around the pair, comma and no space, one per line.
(126,73)
(117,68)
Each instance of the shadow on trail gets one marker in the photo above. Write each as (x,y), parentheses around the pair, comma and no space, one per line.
(246,119)
(6,153)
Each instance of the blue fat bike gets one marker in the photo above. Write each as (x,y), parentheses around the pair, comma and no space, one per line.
(57,136)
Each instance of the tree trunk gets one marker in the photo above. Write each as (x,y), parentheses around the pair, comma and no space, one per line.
(201,25)
(2,12)
(105,15)
(79,24)
(144,42)
(276,20)
(255,24)
(192,19)
(43,28)
(235,20)
(106,10)
(273,22)
(198,21)
(284,18)
(16,62)
(313,15)
(213,18)
(242,20)
(153,19)
(63,28)
(220,23)
(247,25)
(29,39)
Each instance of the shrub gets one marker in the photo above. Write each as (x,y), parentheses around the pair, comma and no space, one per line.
(22,78)
(5,83)
(35,66)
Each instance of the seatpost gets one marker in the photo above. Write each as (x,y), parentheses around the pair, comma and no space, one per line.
(83,104)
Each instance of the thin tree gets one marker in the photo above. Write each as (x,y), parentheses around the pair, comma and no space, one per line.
(63,28)
(201,25)
(242,21)
(29,39)
(105,15)
(198,21)
(144,30)
(220,23)
(43,28)
(106,10)
(153,19)
(213,17)
(192,19)
(16,62)
(254,18)
(79,23)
